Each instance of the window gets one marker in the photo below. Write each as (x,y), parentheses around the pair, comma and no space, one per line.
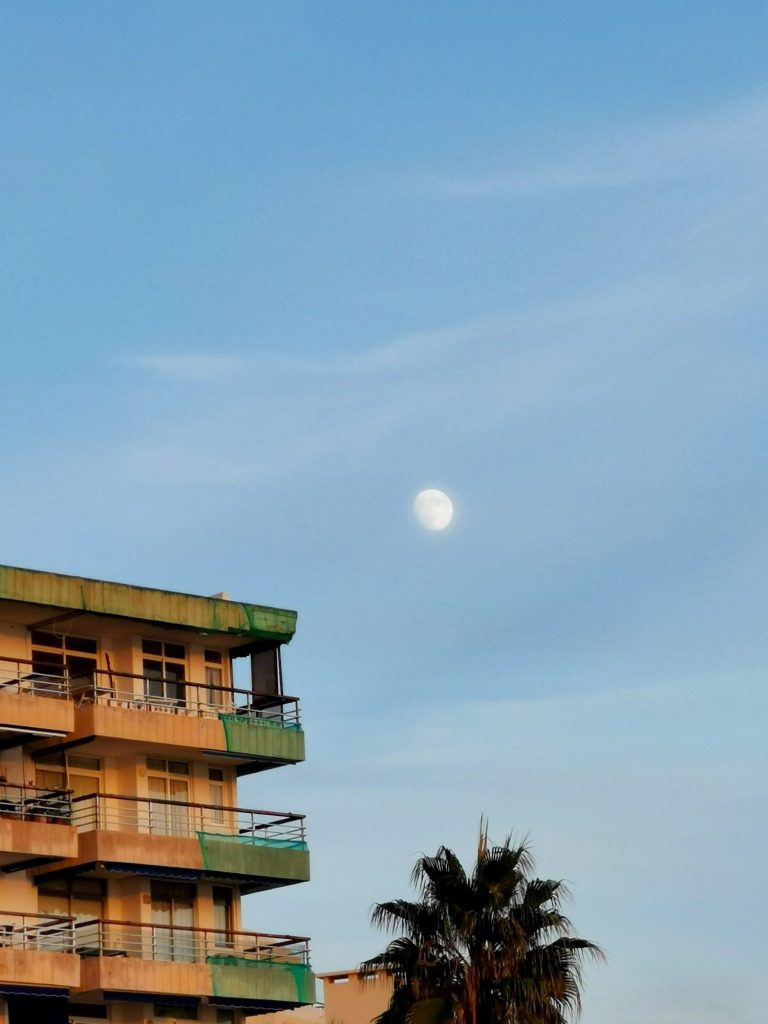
(91,1015)
(164,666)
(222,915)
(214,677)
(158,764)
(215,814)
(59,771)
(173,909)
(51,772)
(82,898)
(172,1012)
(168,781)
(86,1012)
(91,764)
(72,657)
(83,774)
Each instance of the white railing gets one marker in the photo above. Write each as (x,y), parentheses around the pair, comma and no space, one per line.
(173,696)
(34,803)
(187,945)
(47,932)
(182,697)
(174,818)
(17,676)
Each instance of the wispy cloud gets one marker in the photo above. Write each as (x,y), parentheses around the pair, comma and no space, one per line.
(192,367)
(734,136)
(277,416)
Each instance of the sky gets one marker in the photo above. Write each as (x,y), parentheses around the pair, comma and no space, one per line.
(268,270)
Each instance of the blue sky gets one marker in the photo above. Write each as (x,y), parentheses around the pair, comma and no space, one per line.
(269,269)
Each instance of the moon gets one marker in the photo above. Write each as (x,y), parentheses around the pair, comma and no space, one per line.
(433,509)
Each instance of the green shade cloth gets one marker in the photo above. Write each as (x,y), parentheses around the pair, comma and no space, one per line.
(275,844)
(236,977)
(254,858)
(263,738)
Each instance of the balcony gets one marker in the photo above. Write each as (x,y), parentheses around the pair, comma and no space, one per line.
(255,849)
(35,826)
(230,726)
(243,969)
(32,704)
(38,951)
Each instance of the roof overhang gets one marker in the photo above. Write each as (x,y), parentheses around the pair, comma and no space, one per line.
(206,615)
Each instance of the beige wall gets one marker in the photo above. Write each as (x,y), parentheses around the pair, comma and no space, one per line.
(348,1000)
(306,1015)
(14,641)
(39,967)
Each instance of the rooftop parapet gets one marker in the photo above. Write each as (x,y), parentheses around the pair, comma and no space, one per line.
(143,604)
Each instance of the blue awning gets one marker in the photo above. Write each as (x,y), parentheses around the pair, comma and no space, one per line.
(146,997)
(34,990)
(155,871)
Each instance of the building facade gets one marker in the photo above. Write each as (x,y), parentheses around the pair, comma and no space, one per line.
(126,717)
(354,997)
(349,997)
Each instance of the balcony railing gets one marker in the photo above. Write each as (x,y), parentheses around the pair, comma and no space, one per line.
(17,676)
(34,803)
(186,945)
(172,696)
(174,818)
(47,932)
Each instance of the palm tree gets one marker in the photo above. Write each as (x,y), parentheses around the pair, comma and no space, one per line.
(490,947)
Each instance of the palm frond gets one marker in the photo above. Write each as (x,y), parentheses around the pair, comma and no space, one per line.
(415,918)
(491,946)
(438,1010)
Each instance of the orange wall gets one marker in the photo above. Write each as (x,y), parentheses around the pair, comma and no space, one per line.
(350,1000)
(39,967)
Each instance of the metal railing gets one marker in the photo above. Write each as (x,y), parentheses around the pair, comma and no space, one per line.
(111,812)
(185,945)
(181,697)
(18,676)
(172,696)
(35,803)
(49,932)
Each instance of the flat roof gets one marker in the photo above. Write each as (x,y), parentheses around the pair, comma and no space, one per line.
(144,604)
(359,972)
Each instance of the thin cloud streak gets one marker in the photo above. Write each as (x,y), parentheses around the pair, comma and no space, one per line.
(304,413)
(193,367)
(730,139)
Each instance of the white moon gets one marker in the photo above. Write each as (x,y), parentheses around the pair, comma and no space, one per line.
(433,509)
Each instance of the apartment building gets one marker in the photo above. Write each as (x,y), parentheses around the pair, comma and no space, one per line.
(127,715)
(355,997)
(349,997)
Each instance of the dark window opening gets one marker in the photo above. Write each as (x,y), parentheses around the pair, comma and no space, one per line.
(164,673)
(175,1012)
(92,1010)
(265,671)
(64,656)
(81,898)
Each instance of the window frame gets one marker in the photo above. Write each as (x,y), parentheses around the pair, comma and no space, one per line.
(171,690)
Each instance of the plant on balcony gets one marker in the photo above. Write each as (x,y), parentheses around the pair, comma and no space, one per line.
(488,947)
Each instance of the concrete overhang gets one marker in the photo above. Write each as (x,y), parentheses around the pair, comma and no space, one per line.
(67,596)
